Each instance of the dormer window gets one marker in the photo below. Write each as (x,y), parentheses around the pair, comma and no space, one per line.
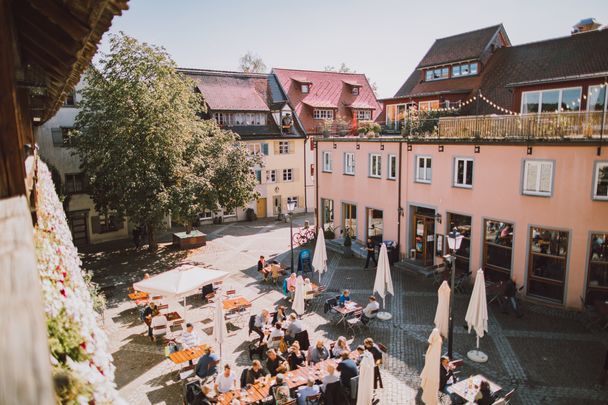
(355,91)
(465,69)
(437,74)
(305,88)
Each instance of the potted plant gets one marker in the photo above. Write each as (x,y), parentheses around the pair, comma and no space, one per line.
(326,128)
(369,128)
(329,232)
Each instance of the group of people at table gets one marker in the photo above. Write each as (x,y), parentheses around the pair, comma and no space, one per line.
(281,354)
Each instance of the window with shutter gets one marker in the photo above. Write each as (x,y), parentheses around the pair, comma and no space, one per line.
(258,176)
(600,186)
(292,147)
(538,177)
(265,149)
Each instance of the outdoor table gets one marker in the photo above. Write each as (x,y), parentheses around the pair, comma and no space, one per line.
(138,295)
(250,395)
(172,316)
(188,354)
(349,308)
(237,302)
(468,388)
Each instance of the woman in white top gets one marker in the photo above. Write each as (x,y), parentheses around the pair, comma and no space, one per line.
(276,332)
(340,346)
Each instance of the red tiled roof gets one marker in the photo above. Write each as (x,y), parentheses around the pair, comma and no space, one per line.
(461,47)
(327,90)
(226,91)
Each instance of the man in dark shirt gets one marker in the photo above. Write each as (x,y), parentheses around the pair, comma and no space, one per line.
(371,347)
(371,253)
(207,364)
(275,364)
(348,369)
(255,373)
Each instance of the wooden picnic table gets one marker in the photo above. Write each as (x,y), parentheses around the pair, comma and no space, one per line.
(188,354)
(468,388)
(250,395)
(138,295)
(236,302)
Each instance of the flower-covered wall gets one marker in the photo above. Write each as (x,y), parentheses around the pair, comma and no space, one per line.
(82,364)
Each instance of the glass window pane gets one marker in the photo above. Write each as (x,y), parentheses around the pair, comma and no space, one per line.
(549,242)
(469,172)
(530,102)
(548,267)
(601,185)
(429,75)
(456,71)
(445,72)
(543,289)
(571,100)
(460,172)
(596,98)
(550,101)
(473,68)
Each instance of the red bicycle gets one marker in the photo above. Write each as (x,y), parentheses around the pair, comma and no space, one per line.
(304,236)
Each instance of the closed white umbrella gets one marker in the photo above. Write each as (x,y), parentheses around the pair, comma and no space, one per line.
(383,283)
(477,315)
(365,392)
(298,298)
(430,373)
(319,260)
(442,314)
(220,332)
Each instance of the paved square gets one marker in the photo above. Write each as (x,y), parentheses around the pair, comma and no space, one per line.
(548,356)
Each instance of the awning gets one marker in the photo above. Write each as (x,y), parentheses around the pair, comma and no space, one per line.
(180,282)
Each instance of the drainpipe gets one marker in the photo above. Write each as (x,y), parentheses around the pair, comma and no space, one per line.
(317,199)
(305,178)
(399,208)
(599,148)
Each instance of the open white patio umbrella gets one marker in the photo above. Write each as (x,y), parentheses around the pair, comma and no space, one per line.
(298,298)
(442,314)
(180,282)
(220,332)
(319,260)
(477,315)
(365,391)
(430,373)
(383,283)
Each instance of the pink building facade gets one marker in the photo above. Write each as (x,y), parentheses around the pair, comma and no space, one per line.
(536,213)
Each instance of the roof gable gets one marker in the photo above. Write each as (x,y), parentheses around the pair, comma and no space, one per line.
(465,46)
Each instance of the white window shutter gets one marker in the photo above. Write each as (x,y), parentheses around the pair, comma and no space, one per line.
(276,147)
(292,147)
(531,176)
(546,171)
(294,174)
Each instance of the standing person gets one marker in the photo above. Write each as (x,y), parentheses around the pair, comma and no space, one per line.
(511,298)
(150,312)
(291,285)
(262,268)
(371,253)
(371,347)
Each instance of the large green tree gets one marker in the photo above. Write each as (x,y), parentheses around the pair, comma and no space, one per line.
(144,148)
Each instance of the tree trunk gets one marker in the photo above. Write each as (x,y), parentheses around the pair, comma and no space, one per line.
(152,244)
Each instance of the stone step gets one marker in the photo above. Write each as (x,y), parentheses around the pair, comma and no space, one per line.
(337,245)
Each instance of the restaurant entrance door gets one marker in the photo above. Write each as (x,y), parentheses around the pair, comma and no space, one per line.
(423,238)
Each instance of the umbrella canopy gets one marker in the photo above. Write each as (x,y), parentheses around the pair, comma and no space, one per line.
(220,332)
(298,298)
(180,282)
(430,372)
(442,314)
(365,392)
(383,283)
(477,313)
(319,260)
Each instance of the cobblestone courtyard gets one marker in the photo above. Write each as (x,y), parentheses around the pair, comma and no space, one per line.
(548,355)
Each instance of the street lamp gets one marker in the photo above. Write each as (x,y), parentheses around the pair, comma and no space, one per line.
(291,206)
(454,241)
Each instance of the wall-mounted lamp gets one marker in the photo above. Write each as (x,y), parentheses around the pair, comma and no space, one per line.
(529,151)
(381,146)
(440,148)
(409,147)
(477,148)
(400,211)
(335,146)
(358,146)
(438,217)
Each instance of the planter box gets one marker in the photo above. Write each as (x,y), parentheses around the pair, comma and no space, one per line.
(190,240)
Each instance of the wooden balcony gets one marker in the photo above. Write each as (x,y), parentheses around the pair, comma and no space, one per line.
(575,126)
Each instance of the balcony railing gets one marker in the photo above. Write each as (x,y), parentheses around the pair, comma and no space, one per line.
(545,126)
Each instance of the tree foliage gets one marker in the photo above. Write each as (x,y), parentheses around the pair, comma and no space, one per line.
(144,148)
(251,63)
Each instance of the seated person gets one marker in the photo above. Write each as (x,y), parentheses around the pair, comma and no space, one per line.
(262,268)
(446,374)
(485,396)
(207,364)
(371,306)
(331,376)
(348,369)
(308,290)
(295,326)
(261,321)
(189,337)
(280,315)
(344,297)
(275,336)
(255,373)
(226,381)
(319,353)
(280,391)
(296,358)
(205,398)
(275,363)
(340,347)
(307,390)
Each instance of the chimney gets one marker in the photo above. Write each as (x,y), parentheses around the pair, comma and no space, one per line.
(585,25)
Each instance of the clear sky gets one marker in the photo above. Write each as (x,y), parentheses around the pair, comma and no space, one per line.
(385,39)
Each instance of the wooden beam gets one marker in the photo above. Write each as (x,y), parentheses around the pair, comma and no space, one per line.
(59,15)
(12,169)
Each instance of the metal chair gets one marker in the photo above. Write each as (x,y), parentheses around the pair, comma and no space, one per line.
(355,321)
(313,399)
